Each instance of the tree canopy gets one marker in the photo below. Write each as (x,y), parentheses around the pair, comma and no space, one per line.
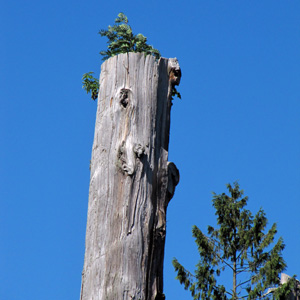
(240,245)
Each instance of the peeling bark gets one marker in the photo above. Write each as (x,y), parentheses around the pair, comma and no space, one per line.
(131,180)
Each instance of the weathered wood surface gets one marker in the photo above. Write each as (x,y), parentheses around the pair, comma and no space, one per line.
(131,180)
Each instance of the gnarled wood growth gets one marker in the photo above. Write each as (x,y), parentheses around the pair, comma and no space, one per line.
(131,181)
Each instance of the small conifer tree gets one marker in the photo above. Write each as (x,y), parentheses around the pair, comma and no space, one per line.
(239,244)
(122,40)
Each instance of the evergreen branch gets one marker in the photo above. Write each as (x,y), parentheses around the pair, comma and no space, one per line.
(244,265)
(243,282)
(242,251)
(217,244)
(242,270)
(90,85)
(243,297)
(225,262)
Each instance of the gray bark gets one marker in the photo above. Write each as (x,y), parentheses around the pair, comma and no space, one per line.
(131,180)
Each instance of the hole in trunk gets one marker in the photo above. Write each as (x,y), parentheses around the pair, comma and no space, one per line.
(124,97)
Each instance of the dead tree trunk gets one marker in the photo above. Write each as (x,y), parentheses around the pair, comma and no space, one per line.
(131,181)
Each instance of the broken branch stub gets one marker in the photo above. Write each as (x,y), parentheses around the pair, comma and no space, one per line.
(131,180)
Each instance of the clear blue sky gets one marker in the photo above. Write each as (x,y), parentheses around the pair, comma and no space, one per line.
(238,120)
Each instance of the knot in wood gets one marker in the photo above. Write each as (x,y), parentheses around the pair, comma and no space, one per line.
(124,97)
(139,150)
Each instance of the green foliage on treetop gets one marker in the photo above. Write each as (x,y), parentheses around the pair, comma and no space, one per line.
(121,39)
(241,245)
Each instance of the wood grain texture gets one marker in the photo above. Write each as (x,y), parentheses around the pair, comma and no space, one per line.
(131,180)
